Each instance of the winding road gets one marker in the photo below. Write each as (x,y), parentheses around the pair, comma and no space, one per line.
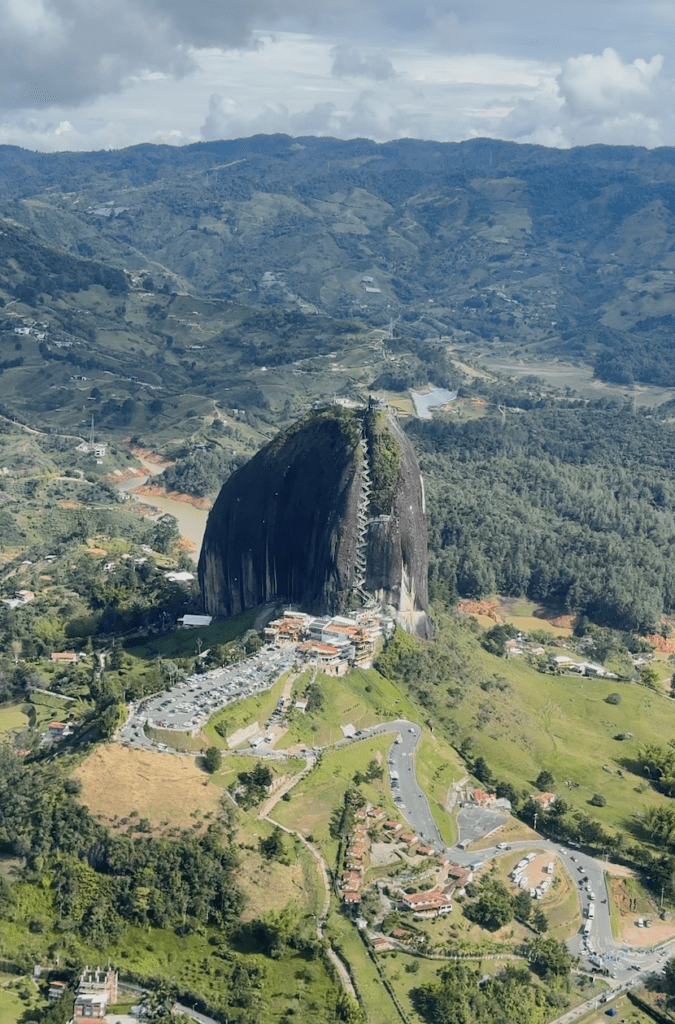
(627,966)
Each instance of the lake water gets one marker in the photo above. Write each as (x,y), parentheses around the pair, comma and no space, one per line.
(432,400)
(191,520)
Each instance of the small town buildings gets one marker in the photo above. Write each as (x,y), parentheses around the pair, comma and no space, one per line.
(484,799)
(57,730)
(64,657)
(331,660)
(560,661)
(97,989)
(430,903)
(544,799)
(56,990)
(194,621)
(332,642)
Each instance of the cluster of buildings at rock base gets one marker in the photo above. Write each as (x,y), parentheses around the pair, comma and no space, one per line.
(335,644)
(445,876)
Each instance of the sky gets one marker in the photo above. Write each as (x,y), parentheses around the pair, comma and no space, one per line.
(105,74)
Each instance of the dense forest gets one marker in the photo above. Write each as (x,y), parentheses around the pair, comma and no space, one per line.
(97,882)
(568,503)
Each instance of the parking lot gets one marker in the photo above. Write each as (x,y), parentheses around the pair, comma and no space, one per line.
(475,823)
(188,705)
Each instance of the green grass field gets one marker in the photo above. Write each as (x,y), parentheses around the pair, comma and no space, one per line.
(12,717)
(378,1006)
(358,699)
(563,724)
(318,794)
(190,962)
(244,712)
(182,643)
(436,767)
(12,1007)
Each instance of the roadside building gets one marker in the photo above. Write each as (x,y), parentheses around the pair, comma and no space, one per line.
(97,989)
(64,657)
(543,799)
(56,990)
(431,903)
(194,621)
(484,799)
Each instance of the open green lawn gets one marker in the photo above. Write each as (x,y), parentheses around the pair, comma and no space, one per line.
(243,713)
(373,996)
(12,717)
(563,724)
(317,795)
(182,643)
(192,963)
(356,699)
(12,1007)
(437,766)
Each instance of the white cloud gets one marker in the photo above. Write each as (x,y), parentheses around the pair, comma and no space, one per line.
(596,98)
(139,80)
(594,88)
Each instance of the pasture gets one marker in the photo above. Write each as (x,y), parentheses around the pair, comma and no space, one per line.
(117,781)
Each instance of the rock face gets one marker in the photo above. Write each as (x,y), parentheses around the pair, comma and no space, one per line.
(327,517)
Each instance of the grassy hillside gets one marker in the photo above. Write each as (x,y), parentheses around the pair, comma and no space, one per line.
(500,248)
(522,722)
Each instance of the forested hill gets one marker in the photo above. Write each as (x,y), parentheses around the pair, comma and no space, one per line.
(489,243)
(571,505)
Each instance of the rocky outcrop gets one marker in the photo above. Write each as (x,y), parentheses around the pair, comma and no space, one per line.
(327,517)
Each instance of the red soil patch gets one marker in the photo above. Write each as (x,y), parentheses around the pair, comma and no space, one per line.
(663,644)
(562,621)
(153,491)
(489,608)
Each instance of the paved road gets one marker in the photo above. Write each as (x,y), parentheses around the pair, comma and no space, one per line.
(205,694)
(600,949)
(412,801)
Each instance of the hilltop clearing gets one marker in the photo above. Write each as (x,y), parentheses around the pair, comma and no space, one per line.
(118,783)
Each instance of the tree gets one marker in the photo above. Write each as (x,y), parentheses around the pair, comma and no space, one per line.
(613,698)
(482,771)
(522,906)
(114,658)
(539,920)
(505,791)
(165,534)
(495,639)
(649,677)
(314,698)
(550,958)
(598,800)
(669,977)
(213,760)
(494,907)
(544,780)
(272,847)
(159,1003)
